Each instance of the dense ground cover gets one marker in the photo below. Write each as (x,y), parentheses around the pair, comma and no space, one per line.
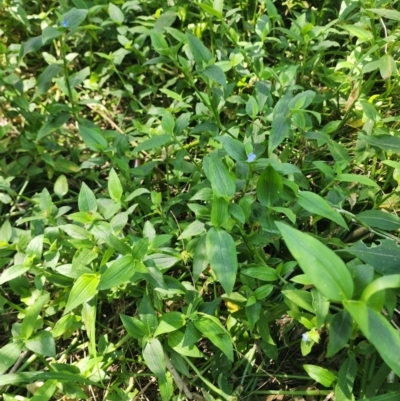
(199,200)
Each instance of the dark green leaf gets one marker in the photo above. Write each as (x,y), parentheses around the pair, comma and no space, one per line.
(84,289)
(319,206)
(42,343)
(339,332)
(93,138)
(86,199)
(327,271)
(378,332)
(153,355)
(118,273)
(221,253)
(380,219)
(222,182)
(269,186)
(200,53)
(384,258)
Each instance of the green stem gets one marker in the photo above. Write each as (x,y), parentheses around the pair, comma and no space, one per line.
(208,383)
(66,76)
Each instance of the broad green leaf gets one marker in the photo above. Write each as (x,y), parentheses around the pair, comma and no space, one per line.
(380,219)
(378,331)
(77,78)
(317,205)
(211,328)
(31,315)
(388,143)
(114,186)
(61,186)
(74,17)
(327,271)
(93,138)
(380,284)
(134,327)
(115,14)
(339,332)
(280,123)
(269,186)
(165,20)
(140,248)
(200,259)
(31,45)
(147,315)
(169,322)
(118,273)
(153,355)
(221,253)
(75,231)
(252,107)
(84,289)
(86,199)
(9,355)
(176,340)
(233,147)
(360,33)
(45,392)
(262,273)
(280,128)
(42,343)
(300,298)
(153,143)
(200,53)
(216,74)
(13,272)
(218,5)
(387,66)
(49,33)
(45,78)
(384,258)
(361,179)
(222,182)
(320,375)
(193,229)
(346,378)
(386,13)
(210,10)
(51,125)
(302,100)
(159,44)
(219,212)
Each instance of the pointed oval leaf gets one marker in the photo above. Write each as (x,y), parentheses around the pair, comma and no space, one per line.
(320,375)
(380,219)
(200,53)
(114,186)
(211,328)
(378,331)
(9,355)
(93,138)
(134,327)
(387,66)
(269,186)
(86,199)
(339,332)
(118,273)
(84,289)
(153,355)
(327,271)
(169,322)
(42,343)
(319,206)
(233,147)
(221,253)
(222,182)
